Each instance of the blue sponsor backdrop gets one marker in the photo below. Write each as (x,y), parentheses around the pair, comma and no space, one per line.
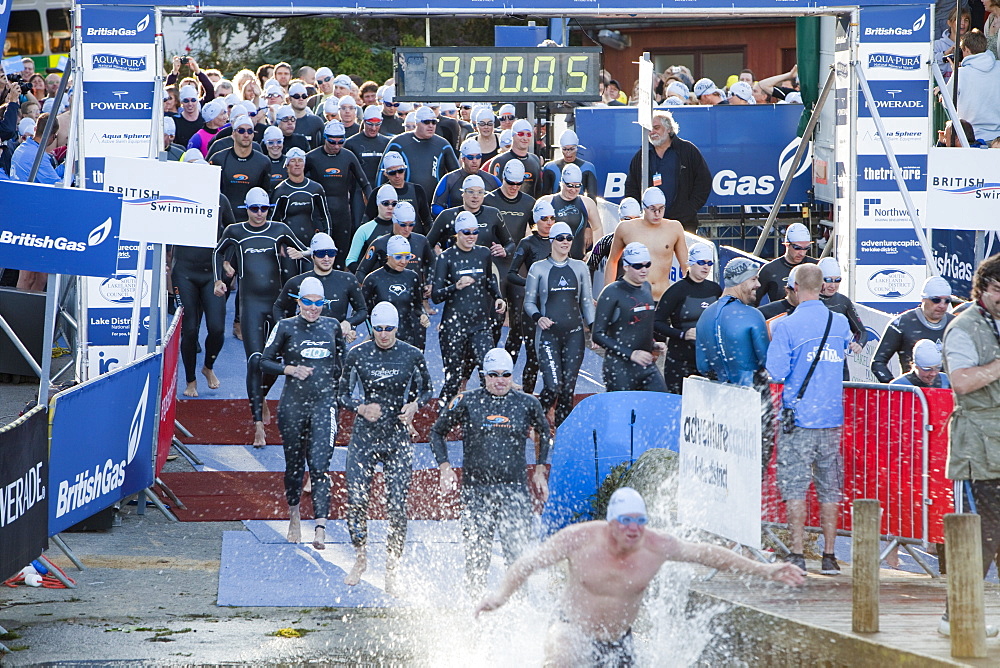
(905,24)
(91,468)
(118,24)
(558,7)
(83,244)
(889,246)
(113,101)
(895,99)
(742,145)
(874,173)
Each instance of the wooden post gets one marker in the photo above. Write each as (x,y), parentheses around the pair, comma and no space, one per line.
(966,610)
(865,564)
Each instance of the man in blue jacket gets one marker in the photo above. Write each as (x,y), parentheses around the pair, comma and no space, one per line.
(809,442)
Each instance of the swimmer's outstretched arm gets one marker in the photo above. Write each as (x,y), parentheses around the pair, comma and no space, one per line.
(555,549)
(726,560)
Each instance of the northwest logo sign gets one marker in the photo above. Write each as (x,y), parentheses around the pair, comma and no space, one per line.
(97,236)
(113,61)
(894,61)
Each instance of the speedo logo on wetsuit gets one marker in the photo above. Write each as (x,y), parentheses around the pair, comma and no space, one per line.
(497,421)
(382,374)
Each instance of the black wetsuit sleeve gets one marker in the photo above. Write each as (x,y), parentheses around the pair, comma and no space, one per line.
(531,293)
(424,381)
(514,273)
(590,185)
(665,308)
(423,209)
(320,216)
(366,265)
(217,256)
(270,361)
(541,425)
(437,231)
(369,293)
(503,236)
(891,343)
(441,289)
(226,216)
(284,305)
(607,305)
(633,187)
(491,280)
(209,87)
(357,302)
(857,327)
(446,421)
(348,378)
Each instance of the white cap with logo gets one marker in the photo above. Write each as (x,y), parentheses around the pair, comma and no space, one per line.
(498,359)
(385,315)
(466,221)
(636,253)
(397,244)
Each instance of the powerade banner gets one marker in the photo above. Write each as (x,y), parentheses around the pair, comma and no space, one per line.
(82,244)
(748,149)
(894,47)
(24,478)
(93,467)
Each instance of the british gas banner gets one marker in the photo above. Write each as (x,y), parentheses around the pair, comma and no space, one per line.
(748,149)
(91,468)
(24,479)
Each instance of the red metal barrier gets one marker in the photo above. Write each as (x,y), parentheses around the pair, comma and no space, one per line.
(895,445)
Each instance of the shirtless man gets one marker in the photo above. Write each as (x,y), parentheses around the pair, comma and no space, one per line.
(663,237)
(610,565)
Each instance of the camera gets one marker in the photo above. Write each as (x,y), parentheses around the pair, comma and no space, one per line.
(22,84)
(184,60)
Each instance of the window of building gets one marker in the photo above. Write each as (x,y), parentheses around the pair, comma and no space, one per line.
(716,64)
(24,34)
(60,34)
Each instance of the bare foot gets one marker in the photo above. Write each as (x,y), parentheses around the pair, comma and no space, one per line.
(259,438)
(390,575)
(307,485)
(238,331)
(354,577)
(267,413)
(213,380)
(192,389)
(319,539)
(294,525)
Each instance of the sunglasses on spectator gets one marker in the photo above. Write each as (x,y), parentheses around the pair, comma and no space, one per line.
(336,141)
(430,121)
(799,248)
(244,131)
(704,263)
(627,520)
(325,252)
(256,208)
(400,257)
(573,185)
(409,224)
(393,172)
(499,374)
(828,279)
(384,328)
(189,100)
(524,133)
(476,156)
(485,124)
(470,233)
(938,300)
(313,302)
(563,237)
(641,265)
(389,202)
(299,96)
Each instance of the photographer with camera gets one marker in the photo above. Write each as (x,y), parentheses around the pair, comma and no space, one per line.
(807,353)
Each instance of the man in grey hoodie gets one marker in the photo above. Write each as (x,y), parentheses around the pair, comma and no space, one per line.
(979,87)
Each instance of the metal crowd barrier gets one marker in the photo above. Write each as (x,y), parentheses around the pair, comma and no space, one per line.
(894,446)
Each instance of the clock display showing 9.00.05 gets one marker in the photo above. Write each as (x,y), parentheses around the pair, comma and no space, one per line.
(497,74)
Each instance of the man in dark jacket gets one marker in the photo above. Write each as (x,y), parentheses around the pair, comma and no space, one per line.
(676,167)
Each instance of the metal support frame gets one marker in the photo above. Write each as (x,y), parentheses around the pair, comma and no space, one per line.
(786,182)
(949,104)
(61,544)
(57,574)
(890,154)
(645,149)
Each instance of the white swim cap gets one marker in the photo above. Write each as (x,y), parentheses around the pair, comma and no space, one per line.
(625,501)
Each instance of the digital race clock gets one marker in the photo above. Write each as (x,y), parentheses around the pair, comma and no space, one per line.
(546,74)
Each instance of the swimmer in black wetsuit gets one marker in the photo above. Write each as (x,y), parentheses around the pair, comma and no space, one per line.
(194,282)
(558,299)
(394,380)
(300,202)
(262,267)
(422,256)
(495,421)
(394,173)
(343,289)
(339,172)
(464,281)
(678,312)
(428,156)
(623,326)
(309,349)
(530,249)
(242,169)
(401,287)
(576,210)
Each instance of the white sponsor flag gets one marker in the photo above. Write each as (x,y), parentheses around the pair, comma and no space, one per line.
(720,452)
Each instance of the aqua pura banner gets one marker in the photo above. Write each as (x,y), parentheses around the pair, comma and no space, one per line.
(103,434)
(748,149)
